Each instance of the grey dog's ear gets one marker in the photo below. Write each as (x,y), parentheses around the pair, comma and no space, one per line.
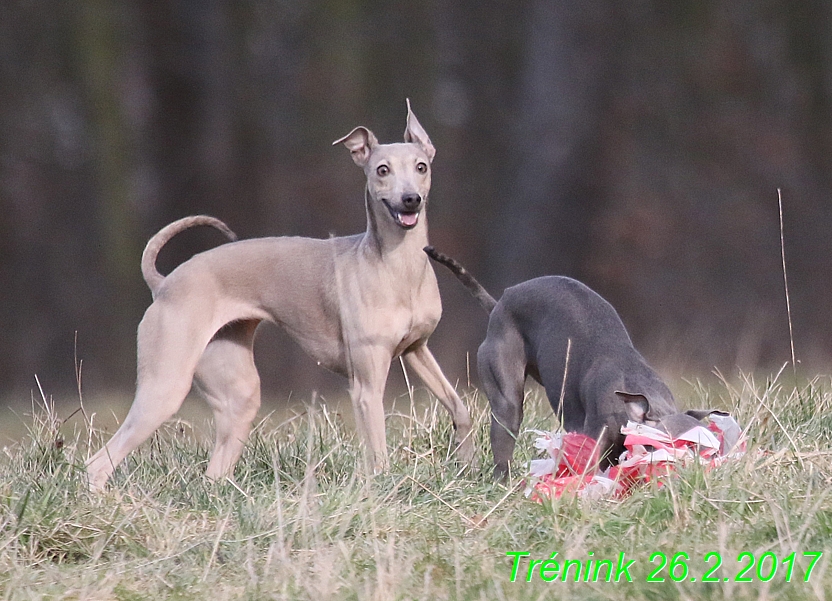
(638,407)
(416,134)
(701,414)
(360,143)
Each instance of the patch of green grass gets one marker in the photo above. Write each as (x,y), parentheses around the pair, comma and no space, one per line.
(301,519)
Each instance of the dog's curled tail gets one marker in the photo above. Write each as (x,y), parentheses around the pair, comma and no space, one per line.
(151,275)
(486,300)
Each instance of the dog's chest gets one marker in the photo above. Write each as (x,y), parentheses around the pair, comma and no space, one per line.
(405,315)
(417,328)
(392,303)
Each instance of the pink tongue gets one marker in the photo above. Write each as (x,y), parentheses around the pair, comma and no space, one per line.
(409,219)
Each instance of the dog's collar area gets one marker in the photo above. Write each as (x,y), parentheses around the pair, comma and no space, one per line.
(404,219)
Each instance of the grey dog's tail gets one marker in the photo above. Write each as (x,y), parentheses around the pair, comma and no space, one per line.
(151,275)
(486,300)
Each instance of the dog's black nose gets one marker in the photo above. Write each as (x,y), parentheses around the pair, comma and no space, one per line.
(411,201)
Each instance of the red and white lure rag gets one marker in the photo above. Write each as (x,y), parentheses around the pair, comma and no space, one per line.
(571,464)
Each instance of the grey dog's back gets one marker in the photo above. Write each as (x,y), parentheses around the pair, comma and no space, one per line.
(559,306)
(569,331)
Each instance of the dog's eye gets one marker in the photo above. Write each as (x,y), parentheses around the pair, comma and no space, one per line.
(382,170)
(422,168)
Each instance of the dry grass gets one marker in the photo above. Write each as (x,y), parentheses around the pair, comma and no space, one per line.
(301,521)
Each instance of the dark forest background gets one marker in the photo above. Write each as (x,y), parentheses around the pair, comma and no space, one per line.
(637,146)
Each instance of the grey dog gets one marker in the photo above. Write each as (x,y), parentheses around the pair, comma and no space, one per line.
(569,339)
(353,303)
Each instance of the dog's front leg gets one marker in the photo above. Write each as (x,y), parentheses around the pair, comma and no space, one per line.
(424,364)
(369,376)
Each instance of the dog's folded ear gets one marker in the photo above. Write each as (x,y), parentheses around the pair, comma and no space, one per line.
(677,424)
(638,406)
(360,142)
(701,414)
(414,133)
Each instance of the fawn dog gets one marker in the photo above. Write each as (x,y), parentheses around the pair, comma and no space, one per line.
(353,303)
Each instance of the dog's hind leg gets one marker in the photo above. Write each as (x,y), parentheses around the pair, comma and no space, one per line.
(424,364)
(501,366)
(169,346)
(227,378)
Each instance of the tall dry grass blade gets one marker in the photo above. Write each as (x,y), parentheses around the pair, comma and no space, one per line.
(468,368)
(406,380)
(764,405)
(497,504)
(786,281)
(216,547)
(563,384)
(444,502)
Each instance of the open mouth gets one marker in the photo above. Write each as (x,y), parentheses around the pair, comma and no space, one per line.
(404,219)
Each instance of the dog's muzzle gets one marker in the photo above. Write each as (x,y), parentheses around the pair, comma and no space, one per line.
(406,217)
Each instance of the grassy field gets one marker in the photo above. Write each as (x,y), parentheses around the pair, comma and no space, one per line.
(301,521)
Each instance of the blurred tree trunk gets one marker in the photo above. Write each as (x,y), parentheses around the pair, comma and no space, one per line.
(552,179)
(100,55)
(477,52)
(100,58)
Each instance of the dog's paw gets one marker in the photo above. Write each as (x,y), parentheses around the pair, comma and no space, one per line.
(465,452)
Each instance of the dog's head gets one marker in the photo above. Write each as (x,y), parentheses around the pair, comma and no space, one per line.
(662,413)
(398,175)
